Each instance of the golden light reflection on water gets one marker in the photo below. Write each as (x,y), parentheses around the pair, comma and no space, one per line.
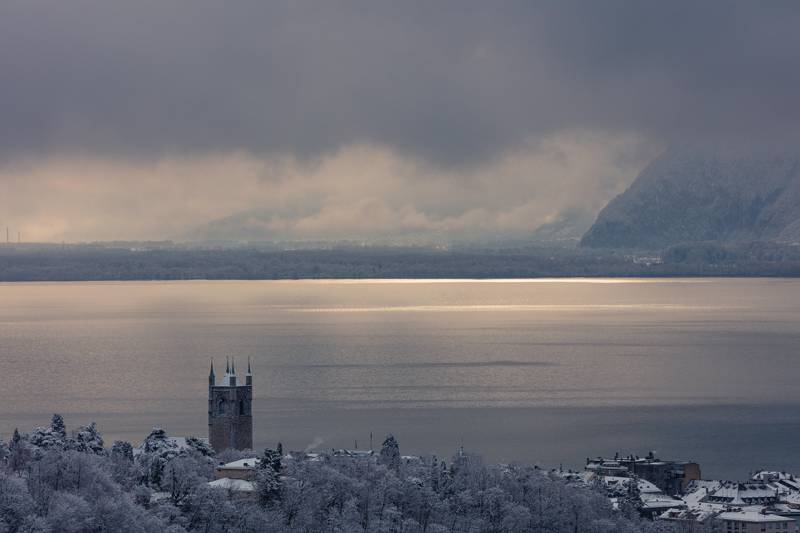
(430,355)
(514,307)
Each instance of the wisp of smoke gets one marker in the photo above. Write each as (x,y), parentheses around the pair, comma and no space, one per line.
(316,443)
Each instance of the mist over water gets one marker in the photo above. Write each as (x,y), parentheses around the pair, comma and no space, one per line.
(547,371)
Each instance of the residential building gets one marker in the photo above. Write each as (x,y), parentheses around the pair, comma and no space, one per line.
(755,522)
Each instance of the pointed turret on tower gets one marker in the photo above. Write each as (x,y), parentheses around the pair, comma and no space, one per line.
(230,420)
(248,378)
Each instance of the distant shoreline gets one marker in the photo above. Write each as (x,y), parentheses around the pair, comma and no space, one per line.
(91,263)
(365,281)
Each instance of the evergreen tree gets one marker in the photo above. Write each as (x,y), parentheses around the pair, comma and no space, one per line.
(58,427)
(435,474)
(156,472)
(271,459)
(390,453)
(631,503)
(53,437)
(267,485)
(19,452)
(88,440)
(123,450)
(156,441)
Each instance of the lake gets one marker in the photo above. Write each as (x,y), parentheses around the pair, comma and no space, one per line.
(544,371)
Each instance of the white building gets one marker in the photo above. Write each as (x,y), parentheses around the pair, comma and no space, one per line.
(755,522)
(242,469)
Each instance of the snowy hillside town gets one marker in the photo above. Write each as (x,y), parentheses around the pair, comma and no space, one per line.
(55,480)
(673,491)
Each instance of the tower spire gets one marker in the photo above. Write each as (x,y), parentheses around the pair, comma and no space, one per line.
(248,365)
(212,379)
(227,366)
(248,378)
(233,366)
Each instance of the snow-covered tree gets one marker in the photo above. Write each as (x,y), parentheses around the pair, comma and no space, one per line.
(158,442)
(630,502)
(122,449)
(271,459)
(180,476)
(53,437)
(155,469)
(70,490)
(165,464)
(200,446)
(88,440)
(19,452)
(70,512)
(35,524)
(3,451)
(15,502)
(58,426)
(267,484)
(390,453)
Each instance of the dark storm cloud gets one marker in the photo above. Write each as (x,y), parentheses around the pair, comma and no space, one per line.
(453,82)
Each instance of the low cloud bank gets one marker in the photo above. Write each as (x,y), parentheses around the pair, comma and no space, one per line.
(363,192)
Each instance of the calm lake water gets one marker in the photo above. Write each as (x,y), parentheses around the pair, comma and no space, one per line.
(547,371)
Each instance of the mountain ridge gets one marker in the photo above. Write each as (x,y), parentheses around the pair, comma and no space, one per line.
(695,195)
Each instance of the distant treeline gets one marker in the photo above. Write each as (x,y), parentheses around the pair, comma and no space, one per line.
(94,263)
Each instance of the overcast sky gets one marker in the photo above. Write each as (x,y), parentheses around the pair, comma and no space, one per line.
(327,120)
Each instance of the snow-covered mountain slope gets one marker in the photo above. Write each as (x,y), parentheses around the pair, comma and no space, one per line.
(690,195)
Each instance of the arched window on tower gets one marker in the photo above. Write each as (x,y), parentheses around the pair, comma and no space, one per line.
(221,406)
(241,407)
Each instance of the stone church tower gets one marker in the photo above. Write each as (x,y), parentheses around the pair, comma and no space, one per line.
(230,415)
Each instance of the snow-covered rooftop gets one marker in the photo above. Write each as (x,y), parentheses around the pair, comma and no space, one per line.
(645,486)
(742,493)
(243,464)
(690,515)
(752,516)
(238,485)
(652,502)
(354,453)
(771,475)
